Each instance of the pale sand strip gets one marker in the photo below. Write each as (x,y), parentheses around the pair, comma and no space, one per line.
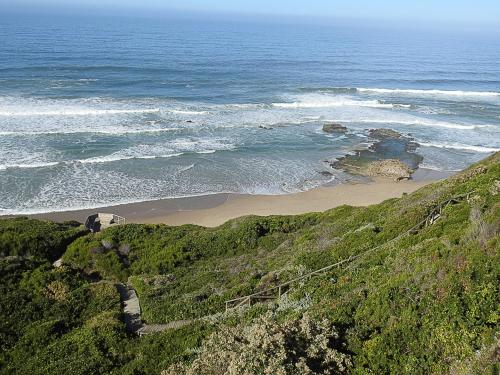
(316,200)
(213,210)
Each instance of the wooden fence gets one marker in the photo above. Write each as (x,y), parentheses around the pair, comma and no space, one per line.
(276,292)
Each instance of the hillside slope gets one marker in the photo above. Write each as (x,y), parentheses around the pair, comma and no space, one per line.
(409,303)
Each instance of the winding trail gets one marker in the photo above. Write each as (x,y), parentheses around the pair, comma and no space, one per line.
(132,308)
(132,314)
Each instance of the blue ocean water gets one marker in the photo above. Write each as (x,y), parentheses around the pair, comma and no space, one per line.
(100,111)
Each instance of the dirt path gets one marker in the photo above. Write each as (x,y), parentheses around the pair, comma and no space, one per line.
(132,314)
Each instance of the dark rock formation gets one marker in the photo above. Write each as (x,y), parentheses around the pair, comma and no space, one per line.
(326,173)
(265,127)
(333,128)
(384,134)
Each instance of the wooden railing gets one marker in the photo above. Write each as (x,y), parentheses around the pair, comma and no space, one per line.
(276,292)
(119,220)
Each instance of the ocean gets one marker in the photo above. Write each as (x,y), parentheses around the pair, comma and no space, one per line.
(101,111)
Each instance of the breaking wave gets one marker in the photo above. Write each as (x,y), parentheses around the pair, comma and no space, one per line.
(431,92)
(79,112)
(420,122)
(459,146)
(323,101)
(120,157)
(111,131)
(27,166)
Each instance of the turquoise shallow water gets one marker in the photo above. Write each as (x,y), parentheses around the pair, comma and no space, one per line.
(102,111)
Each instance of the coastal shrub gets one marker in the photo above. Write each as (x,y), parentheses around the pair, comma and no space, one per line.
(88,254)
(154,353)
(153,249)
(267,346)
(40,305)
(27,237)
(94,348)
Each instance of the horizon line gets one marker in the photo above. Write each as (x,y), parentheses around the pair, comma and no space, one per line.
(167,12)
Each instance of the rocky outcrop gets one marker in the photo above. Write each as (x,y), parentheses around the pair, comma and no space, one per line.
(334,128)
(391,168)
(265,127)
(391,155)
(384,133)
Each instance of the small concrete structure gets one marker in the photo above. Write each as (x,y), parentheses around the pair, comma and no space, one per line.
(100,221)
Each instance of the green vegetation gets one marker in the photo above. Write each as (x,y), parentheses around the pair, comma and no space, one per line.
(426,302)
(41,239)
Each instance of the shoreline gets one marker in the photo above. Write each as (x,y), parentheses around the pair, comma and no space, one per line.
(215,209)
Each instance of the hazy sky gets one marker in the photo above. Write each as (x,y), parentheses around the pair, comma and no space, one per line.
(473,12)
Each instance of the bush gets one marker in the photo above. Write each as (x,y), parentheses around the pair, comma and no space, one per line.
(26,237)
(268,347)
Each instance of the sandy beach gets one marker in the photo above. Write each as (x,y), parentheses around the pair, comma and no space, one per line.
(213,210)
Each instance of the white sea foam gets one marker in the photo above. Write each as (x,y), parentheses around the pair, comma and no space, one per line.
(120,157)
(28,165)
(431,92)
(420,122)
(172,149)
(433,167)
(78,112)
(323,101)
(185,169)
(190,113)
(459,146)
(116,131)
(243,106)
(201,146)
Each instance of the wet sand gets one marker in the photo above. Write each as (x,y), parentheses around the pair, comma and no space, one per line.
(213,210)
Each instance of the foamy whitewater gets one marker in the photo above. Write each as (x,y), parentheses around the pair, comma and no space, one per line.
(95,113)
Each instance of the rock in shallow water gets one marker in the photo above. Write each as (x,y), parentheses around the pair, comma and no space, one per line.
(384,133)
(265,127)
(332,127)
(391,155)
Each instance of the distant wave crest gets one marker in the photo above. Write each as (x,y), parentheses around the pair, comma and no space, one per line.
(420,122)
(459,146)
(110,131)
(431,92)
(27,166)
(79,112)
(117,157)
(321,100)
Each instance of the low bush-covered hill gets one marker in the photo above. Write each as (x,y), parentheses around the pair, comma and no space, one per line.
(417,301)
